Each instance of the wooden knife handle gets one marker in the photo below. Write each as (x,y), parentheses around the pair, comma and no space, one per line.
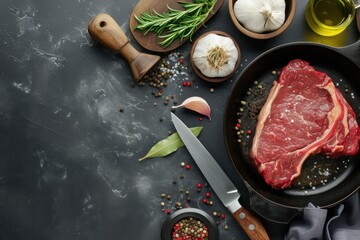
(250,224)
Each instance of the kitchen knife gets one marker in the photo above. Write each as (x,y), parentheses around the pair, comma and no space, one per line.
(220,183)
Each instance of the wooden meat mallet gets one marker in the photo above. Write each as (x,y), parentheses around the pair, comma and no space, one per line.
(106,31)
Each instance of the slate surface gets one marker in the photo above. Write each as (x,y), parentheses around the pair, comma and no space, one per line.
(69,158)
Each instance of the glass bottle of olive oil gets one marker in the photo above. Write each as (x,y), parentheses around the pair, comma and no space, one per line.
(329,12)
(329,17)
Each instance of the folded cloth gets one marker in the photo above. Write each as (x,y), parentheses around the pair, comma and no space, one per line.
(341,222)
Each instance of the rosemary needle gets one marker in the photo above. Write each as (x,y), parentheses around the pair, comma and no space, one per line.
(175,24)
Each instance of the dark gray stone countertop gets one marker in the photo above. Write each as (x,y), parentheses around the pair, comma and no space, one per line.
(69,164)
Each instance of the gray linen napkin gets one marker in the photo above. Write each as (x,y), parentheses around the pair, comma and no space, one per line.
(339,223)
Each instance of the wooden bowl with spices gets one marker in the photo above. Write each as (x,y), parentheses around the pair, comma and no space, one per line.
(271,20)
(215,56)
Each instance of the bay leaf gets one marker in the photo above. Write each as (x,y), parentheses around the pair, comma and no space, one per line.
(169,144)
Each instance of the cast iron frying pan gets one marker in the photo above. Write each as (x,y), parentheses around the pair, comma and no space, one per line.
(324,182)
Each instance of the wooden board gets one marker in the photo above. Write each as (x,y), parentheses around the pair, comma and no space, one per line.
(150,40)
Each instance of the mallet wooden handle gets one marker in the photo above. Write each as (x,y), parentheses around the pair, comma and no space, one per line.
(106,31)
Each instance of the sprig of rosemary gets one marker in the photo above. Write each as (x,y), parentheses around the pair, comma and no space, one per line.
(176,23)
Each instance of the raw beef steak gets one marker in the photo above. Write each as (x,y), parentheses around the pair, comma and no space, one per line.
(304,114)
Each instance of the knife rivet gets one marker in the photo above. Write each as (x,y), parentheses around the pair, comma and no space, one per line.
(251,227)
(242,215)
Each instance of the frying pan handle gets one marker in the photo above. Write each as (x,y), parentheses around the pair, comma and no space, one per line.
(353,51)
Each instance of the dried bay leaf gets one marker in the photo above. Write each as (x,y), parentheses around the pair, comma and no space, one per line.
(169,144)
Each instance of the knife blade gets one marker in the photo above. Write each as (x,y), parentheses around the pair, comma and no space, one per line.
(220,182)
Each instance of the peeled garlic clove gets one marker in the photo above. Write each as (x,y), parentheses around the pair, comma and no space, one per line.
(196,104)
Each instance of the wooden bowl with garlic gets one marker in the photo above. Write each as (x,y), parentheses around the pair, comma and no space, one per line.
(262,19)
(215,56)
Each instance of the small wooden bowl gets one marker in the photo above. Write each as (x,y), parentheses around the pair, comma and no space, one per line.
(289,16)
(214,79)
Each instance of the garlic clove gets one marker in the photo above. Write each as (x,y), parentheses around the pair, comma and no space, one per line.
(196,104)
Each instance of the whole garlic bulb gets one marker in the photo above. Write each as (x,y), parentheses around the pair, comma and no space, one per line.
(260,15)
(215,55)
